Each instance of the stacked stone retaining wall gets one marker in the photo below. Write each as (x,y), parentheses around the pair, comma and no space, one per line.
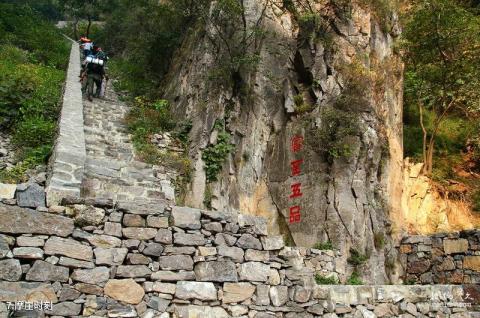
(442,258)
(69,155)
(98,259)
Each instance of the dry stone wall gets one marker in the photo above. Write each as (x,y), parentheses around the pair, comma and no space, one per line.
(98,259)
(69,155)
(442,258)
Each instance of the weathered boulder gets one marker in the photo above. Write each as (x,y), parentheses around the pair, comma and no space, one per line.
(164,236)
(30,241)
(7,191)
(256,255)
(105,241)
(94,276)
(472,262)
(67,309)
(237,292)
(186,218)
(110,256)
(216,271)
(164,288)
(88,215)
(249,241)
(254,271)
(259,224)
(125,290)
(142,207)
(139,233)
(278,295)
(20,291)
(69,248)
(455,246)
(159,304)
(113,228)
(10,270)
(196,290)
(271,243)
(5,245)
(133,220)
(43,272)
(30,195)
(153,249)
(235,253)
(176,262)
(169,276)
(16,220)
(189,239)
(157,221)
(132,271)
(28,252)
(75,263)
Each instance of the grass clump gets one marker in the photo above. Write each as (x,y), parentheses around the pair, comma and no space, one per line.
(301,106)
(148,117)
(323,280)
(323,246)
(354,279)
(356,258)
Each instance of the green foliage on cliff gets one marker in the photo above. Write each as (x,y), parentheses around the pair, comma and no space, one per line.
(322,280)
(323,246)
(33,58)
(149,117)
(356,258)
(331,135)
(215,154)
(354,279)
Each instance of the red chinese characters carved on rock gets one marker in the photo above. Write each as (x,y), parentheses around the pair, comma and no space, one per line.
(294,216)
(297,143)
(295,165)
(296,190)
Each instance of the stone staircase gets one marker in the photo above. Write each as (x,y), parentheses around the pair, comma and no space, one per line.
(111,169)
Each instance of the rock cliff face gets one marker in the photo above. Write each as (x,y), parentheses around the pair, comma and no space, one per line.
(427,211)
(322,73)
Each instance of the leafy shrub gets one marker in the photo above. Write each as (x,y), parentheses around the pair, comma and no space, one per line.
(300,105)
(330,137)
(215,155)
(323,246)
(33,58)
(356,258)
(323,280)
(34,131)
(354,279)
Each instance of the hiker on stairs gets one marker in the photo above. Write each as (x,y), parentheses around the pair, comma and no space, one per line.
(95,70)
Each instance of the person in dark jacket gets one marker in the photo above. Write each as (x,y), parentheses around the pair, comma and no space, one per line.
(95,75)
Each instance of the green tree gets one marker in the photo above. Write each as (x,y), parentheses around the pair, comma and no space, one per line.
(84,9)
(442,50)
